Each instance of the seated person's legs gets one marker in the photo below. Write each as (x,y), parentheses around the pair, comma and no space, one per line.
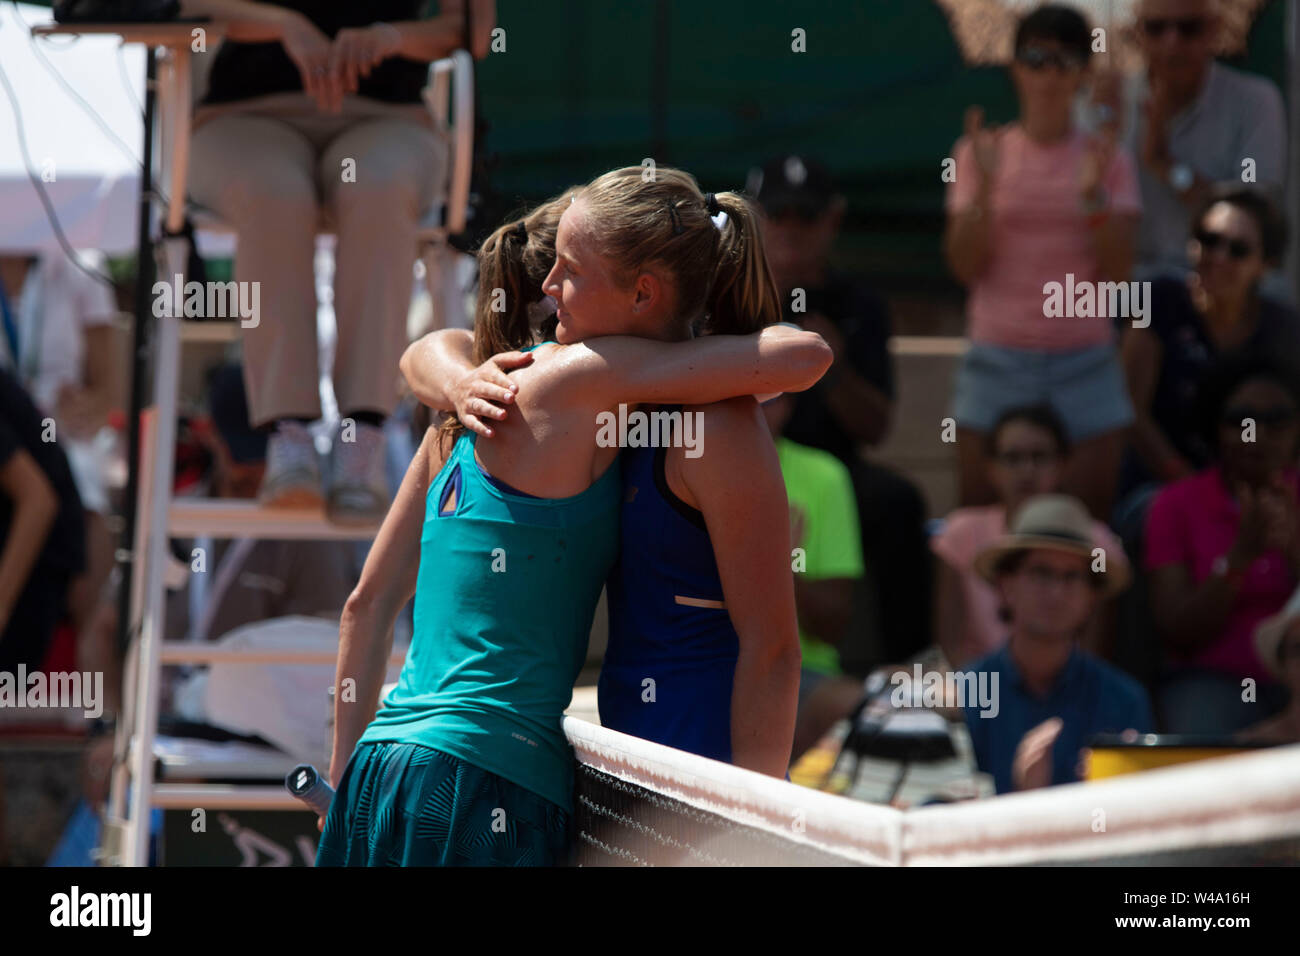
(398,163)
(258,174)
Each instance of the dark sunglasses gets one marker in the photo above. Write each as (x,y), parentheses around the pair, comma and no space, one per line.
(1037,58)
(1188,27)
(1277,415)
(1237,248)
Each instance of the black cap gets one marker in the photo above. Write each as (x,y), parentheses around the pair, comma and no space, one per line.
(228,405)
(791,184)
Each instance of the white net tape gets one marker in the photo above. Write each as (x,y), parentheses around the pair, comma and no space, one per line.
(1242,808)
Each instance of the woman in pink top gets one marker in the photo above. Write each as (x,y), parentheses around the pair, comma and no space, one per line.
(1028,451)
(1040,216)
(1223,550)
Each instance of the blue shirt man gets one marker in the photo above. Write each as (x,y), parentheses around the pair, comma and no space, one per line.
(1089,696)
(1050,697)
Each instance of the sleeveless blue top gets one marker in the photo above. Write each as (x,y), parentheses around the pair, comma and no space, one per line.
(507,588)
(666,621)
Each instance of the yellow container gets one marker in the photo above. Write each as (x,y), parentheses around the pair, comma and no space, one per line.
(1106,762)
(1110,755)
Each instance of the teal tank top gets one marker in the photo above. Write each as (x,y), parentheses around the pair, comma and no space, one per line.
(504,600)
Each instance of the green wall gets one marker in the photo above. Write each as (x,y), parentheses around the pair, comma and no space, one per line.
(587,85)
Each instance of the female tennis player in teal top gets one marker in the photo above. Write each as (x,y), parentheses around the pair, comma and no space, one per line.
(507,544)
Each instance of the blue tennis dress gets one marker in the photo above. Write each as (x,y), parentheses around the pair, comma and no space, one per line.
(671,661)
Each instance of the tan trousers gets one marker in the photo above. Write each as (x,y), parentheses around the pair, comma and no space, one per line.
(269,167)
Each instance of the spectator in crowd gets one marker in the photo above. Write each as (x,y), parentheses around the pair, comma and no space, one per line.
(1223,549)
(827,564)
(1277,642)
(1193,123)
(58,341)
(1028,451)
(1051,695)
(1033,203)
(42,530)
(850,408)
(313,107)
(1216,309)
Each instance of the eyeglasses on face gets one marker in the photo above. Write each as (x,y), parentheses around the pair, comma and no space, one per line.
(1042,576)
(1211,240)
(1189,28)
(1039,58)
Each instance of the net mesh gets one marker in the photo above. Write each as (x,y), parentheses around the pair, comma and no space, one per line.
(622,824)
(640,804)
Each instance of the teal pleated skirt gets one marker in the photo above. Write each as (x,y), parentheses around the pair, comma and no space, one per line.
(409,805)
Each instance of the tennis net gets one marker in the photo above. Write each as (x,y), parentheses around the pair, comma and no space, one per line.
(640,804)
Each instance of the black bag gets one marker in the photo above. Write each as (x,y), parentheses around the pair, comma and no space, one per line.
(115,11)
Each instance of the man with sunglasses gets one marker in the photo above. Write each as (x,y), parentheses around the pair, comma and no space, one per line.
(1192,122)
(1051,695)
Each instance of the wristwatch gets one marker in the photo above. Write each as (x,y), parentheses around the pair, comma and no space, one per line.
(1180,178)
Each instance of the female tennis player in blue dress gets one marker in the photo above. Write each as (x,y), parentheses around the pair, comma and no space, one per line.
(701,653)
(505,544)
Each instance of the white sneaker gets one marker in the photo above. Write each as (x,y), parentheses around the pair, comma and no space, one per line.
(292,478)
(357,483)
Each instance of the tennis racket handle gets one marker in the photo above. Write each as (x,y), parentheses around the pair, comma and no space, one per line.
(310,787)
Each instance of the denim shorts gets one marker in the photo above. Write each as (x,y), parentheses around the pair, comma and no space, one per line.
(1085,386)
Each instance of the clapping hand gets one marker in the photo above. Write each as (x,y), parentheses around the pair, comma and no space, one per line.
(1031,767)
(1096,161)
(1254,532)
(1281,518)
(984,143)
(1155,136)
(1107,98)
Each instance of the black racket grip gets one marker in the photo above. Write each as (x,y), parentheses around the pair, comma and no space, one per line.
(310,787)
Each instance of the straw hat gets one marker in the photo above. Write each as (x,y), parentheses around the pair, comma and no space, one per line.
(1054,523)
(1269,634)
